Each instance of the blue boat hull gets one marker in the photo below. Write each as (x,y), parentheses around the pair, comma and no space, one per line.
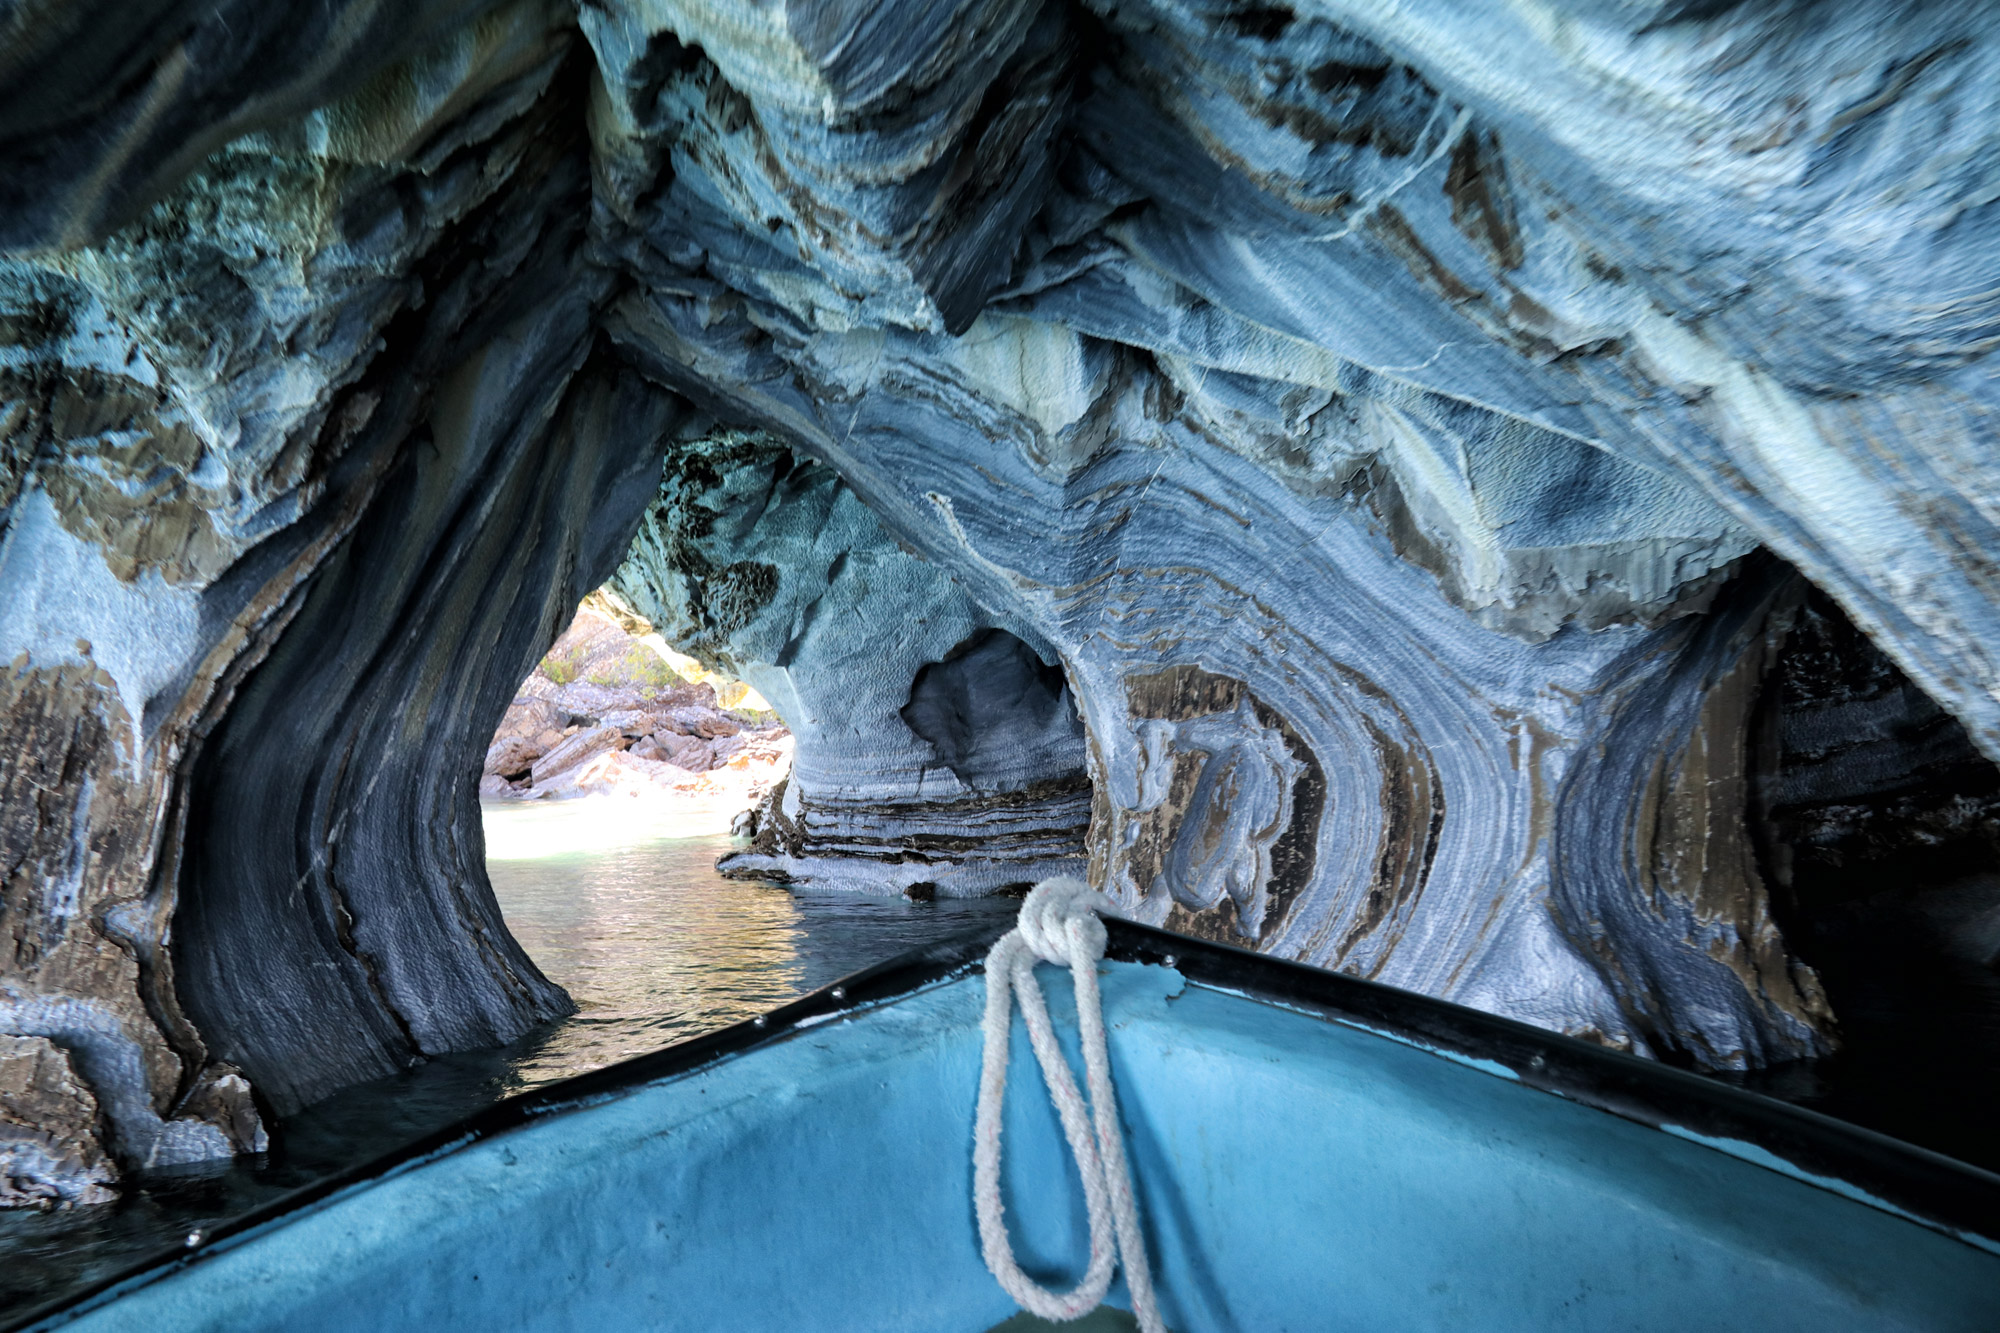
(1302,1165)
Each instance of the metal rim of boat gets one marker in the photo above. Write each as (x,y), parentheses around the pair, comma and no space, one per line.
(1927,1187)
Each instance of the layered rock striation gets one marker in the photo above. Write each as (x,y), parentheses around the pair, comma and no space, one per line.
(936,751)
(305,466)
(1343,470)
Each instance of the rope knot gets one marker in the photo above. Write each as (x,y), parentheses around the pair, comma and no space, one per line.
(1060,924)
(1055,911)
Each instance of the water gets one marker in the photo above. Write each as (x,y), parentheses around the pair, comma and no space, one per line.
(1919,1011)
(654,946)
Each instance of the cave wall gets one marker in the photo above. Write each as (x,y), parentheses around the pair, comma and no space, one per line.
(1311,303)
(1744,247)
(1375,412)
(1355,655)
(933,747)
(1862,784)
(1297,739)
(311,459)
(347,766)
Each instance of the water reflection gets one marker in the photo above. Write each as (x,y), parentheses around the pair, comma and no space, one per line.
(656,947)
(633,920)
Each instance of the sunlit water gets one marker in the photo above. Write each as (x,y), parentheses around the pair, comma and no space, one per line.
(633,921)
(656,947)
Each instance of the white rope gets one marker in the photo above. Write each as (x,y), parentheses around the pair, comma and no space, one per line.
(1059,924)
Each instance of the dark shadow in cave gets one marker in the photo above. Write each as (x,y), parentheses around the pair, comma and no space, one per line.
(1879,838)
(992,708)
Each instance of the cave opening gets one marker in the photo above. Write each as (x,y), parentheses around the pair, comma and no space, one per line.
(607,792)
(623,771)
(613,709)
(992,708)
(1878,831)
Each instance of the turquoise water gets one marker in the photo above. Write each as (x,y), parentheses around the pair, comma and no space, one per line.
(654,946)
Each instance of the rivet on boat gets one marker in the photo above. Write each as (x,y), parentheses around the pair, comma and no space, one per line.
(1537,1062)
(759,1021)
(1170,960)
(193,1239)
(840,992)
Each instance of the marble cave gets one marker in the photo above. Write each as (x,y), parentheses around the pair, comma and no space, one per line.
(1493,498)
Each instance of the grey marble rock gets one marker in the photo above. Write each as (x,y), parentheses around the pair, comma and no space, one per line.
(304,467)
(1355,460)
(933,746)
(105,107)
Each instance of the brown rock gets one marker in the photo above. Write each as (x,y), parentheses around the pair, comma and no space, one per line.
(49,1153)
(587,743)
(649,747)
(689,753)
(529,717)
(635,722)
(76,793)
(610,772)
(511,756)
(699,720)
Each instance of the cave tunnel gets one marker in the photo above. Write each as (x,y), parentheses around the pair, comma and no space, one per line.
(954,762)
(1355,516)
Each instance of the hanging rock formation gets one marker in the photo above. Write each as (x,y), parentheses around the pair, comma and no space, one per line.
(1362,419)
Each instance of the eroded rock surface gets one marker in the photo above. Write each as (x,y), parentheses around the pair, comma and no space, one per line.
(1362,421)
(309,462)
(934,747)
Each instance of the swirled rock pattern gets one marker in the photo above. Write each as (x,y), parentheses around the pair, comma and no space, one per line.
(935,750)
(1374,411)
(313,459)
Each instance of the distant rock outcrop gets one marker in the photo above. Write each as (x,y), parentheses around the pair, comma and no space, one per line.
(646,731)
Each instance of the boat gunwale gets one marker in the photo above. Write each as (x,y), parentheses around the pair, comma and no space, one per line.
(1926,1187)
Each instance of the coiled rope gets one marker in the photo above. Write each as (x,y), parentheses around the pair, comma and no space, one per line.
(1059,924)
